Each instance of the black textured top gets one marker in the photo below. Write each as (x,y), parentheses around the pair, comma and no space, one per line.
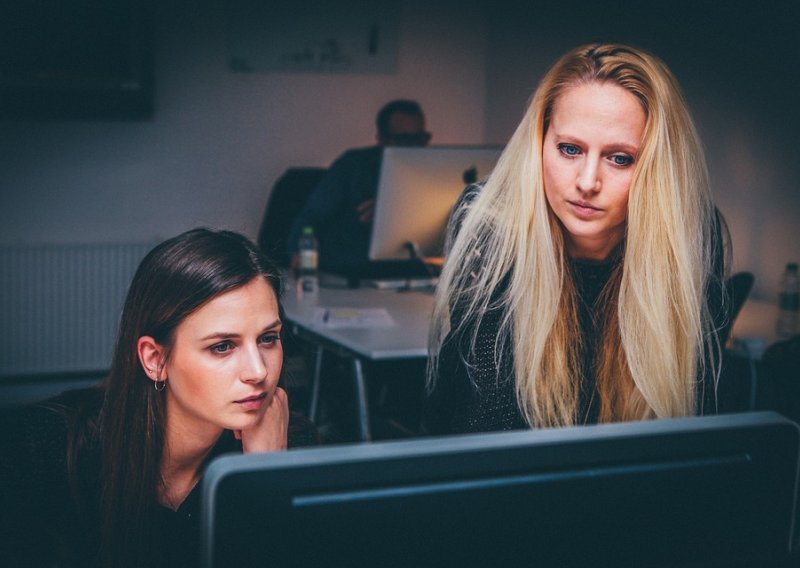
(46,521)
(475,387)
(476,393)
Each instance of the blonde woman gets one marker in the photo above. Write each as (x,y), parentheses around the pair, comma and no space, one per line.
(584,279)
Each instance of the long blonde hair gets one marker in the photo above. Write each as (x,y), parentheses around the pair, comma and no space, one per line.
(510,253)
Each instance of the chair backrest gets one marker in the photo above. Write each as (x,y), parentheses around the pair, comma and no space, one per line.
(289,195)
(737,289)
(781,365)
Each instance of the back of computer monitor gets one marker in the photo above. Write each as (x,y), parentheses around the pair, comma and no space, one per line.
(687,492)
(416,192)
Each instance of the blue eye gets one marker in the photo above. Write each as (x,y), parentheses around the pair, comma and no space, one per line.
(621,160)
(569,149)
(221,348)
(270,338)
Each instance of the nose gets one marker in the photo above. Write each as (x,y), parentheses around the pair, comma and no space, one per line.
(588,175)
(253,368)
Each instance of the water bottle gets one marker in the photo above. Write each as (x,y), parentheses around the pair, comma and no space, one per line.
(309,262)
(789,303)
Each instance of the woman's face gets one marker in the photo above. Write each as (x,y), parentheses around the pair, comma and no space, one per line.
(225,362)
(588,158)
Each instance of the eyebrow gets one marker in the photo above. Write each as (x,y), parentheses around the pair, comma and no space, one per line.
(228,335)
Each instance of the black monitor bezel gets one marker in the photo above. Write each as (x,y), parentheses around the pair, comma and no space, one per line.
(764,445)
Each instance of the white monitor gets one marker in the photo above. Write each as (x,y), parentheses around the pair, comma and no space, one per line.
(416,192)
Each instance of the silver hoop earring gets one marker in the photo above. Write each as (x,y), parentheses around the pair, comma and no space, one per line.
(163,385)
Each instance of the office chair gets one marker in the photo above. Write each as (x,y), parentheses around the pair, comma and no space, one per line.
(739,389)
(782,367)
(737,289)
(289,195)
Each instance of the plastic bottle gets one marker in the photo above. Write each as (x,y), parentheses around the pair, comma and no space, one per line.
(309,262)
(788,322)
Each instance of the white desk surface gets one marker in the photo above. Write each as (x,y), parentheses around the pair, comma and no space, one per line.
(407,338)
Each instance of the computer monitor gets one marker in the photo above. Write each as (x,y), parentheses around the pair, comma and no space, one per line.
(697,491)
(417,189)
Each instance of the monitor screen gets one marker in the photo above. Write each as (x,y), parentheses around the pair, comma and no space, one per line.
(416,192)
(667,492)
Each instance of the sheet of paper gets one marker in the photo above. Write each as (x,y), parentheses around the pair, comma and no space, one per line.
(353,318)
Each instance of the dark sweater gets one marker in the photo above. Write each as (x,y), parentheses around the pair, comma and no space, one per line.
(475,390)
(45,521)
(332,209)
(474,394)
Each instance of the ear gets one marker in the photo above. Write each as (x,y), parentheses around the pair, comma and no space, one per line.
(151,356)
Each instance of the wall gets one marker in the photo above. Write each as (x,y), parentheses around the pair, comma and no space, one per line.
(220,139)
(737,63)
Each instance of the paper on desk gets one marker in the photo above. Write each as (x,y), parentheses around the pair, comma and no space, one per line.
(354,318)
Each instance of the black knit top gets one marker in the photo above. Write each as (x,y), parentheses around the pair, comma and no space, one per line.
(475,392)
(50,519)
(475,387)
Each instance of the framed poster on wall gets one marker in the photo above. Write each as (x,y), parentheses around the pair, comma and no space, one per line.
(312,36)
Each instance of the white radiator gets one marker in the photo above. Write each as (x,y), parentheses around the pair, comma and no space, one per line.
(60,305)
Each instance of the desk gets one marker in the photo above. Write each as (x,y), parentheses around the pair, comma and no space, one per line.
(406,339)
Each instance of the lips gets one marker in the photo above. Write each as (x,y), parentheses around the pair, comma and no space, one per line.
(251,402)
(584,209)
(584,205)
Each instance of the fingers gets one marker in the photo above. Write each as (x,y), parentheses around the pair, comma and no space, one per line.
(270,432)
(366,210)
(280,397)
